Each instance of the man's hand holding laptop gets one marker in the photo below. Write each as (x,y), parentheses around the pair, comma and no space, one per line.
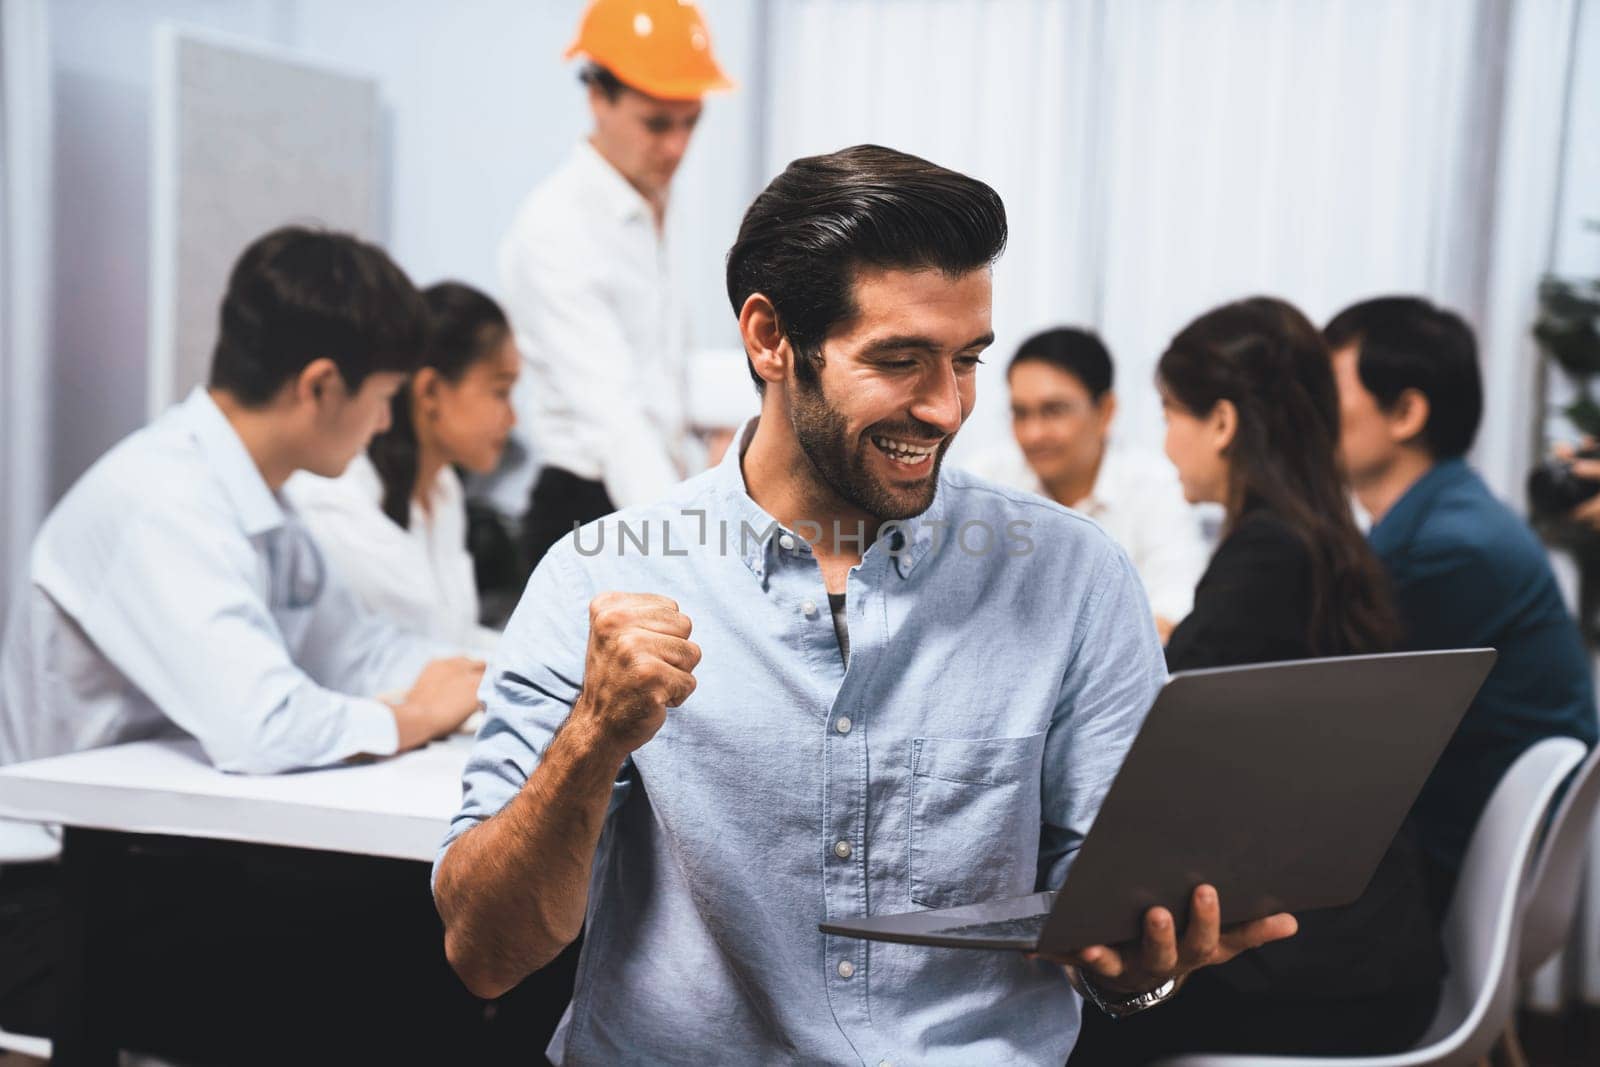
(1162,956)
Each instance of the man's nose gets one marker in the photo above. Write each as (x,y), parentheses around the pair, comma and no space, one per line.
(676,144)
(939,400)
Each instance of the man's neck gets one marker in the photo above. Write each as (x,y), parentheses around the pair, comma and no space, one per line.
(657,199)
(259,430)
(800,504)
(1380,493)
(1075,486)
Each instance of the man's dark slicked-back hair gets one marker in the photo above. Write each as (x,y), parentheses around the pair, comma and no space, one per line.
(601,78)
(299,294)
(825,217)
(1404,342)
(1076,352)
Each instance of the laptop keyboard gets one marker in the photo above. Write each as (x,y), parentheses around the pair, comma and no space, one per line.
(1028,928)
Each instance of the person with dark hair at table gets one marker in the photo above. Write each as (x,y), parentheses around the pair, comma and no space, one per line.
(1253,424)
(1467,571)
(394,524)
(174,592)
(1062,407)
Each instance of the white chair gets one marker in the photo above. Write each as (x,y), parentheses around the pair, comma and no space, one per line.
(1481,931)
(37,1047)
(1552,893)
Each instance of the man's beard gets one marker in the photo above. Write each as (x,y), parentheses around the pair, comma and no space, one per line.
(841,463)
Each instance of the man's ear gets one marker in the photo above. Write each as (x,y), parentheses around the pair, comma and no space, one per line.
(1408,417)
(599,104)
(769,350)
(318,380)
(1224,424)
(425,386)
(1107,406)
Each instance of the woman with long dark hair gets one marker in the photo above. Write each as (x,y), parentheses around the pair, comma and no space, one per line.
(394,525)
(1253,424)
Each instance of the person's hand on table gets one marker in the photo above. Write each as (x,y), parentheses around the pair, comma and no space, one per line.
(445,693)
(1163,954)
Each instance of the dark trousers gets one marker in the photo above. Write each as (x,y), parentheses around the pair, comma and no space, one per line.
(1209,1016)
(31,939)
(560,500)
(215,952)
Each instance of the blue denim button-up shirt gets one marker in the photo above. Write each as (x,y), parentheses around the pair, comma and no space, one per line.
(1002,659)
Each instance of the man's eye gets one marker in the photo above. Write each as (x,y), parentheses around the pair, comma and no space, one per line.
(968,362)
(898,364)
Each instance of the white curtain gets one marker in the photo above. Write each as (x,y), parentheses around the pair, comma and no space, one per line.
(24,281)
(1159,157)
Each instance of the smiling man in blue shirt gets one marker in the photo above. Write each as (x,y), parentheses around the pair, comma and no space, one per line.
(906,687)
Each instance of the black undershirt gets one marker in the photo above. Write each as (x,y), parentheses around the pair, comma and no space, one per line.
(840,627)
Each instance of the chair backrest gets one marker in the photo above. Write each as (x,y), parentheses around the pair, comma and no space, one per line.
(1551,897)
(1481,929)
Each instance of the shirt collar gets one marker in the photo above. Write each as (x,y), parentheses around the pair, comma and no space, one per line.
(622,198)
(1399,524)
(1109,482)
(907,542)
(253,501)
(1106,492)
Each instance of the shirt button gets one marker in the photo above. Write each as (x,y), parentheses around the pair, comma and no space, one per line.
(846,968)
(786,543)
(841,849)
(842,724)
(809,608)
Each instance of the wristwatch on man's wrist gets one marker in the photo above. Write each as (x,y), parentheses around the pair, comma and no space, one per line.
(1120,1007)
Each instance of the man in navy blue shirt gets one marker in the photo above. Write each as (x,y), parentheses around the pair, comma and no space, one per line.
(1467,571)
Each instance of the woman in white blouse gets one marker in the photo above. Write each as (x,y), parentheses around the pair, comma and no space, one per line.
(394,525)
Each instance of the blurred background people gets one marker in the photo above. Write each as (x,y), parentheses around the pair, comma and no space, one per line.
(1253,425)
(173,593)
(1062,406)
(1466,570)
(394,524)
(585,275)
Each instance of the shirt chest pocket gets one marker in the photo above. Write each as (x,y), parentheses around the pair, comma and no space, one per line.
(974,818)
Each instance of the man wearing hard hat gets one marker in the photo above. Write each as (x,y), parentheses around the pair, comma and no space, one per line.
(585,276)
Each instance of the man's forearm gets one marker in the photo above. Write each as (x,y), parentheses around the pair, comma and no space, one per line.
(512,891)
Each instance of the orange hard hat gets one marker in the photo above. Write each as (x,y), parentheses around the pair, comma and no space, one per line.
(659,47)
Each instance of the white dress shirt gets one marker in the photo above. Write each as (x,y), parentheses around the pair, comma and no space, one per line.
(420,577)
(1138,500)
(171,590)
(585,281)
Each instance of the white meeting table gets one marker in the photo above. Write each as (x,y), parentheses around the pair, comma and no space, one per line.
(396,808)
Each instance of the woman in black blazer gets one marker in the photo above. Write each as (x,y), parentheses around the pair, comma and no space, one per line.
(1253,424)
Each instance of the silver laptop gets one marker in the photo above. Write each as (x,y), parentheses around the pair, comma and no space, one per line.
(1282,784)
